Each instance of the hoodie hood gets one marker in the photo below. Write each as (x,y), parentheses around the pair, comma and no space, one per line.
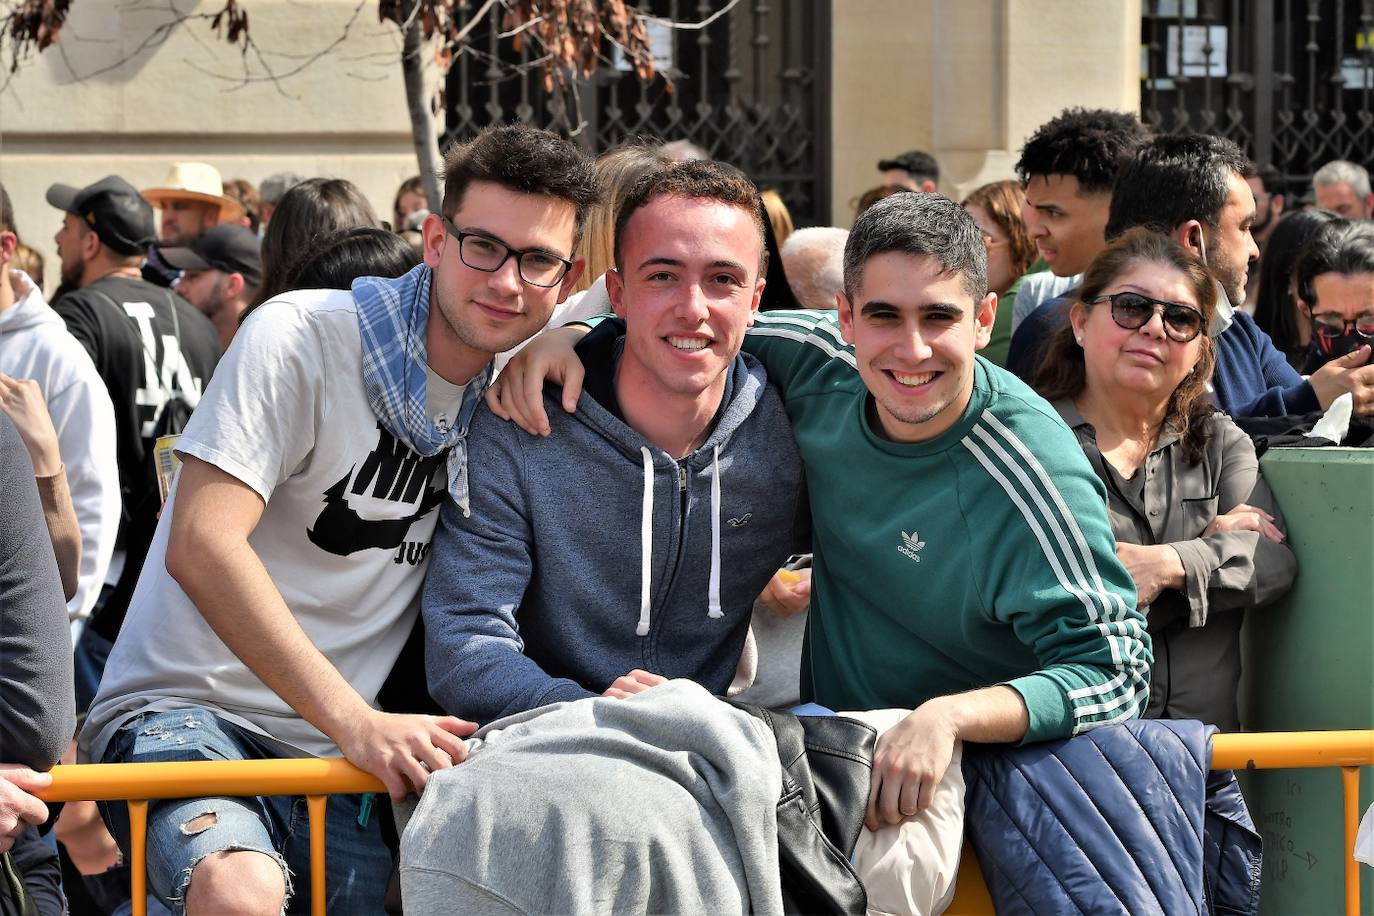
(30,309)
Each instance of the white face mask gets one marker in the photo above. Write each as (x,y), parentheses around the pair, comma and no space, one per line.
(1222,316)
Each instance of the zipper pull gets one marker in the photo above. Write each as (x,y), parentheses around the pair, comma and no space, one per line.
(681,479)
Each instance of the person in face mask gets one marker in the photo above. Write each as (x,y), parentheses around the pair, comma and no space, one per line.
(1335,278)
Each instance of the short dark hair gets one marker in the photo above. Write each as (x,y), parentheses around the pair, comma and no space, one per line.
(1271,179)
(341,257)
(1341,246)
(917,163)
(523,159)
(1091,144)
(6,212)
(924,225)
(1175,178)
(700,179)
(1275,311)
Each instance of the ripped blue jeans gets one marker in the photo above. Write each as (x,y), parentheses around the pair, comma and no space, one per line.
(183,831)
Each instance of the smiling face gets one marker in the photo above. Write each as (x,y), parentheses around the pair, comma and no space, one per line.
(1067,224)
(687,287)
(1145,361)
(914,329)
(474,314)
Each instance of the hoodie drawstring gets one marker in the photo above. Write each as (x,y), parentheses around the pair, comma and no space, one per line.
(713,598)
(646,542)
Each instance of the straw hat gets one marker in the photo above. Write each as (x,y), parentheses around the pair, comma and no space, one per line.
(195,181)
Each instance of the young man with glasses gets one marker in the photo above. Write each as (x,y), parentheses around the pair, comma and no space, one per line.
(286,570)
(542,593)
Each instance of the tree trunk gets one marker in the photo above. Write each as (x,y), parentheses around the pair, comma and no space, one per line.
(418,96)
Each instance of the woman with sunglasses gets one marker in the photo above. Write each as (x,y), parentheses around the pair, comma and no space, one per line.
(1195,523)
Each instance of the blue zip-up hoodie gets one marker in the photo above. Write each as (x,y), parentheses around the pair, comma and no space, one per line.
(592,552)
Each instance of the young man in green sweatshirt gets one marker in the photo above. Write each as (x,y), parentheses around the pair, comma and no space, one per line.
(964,565)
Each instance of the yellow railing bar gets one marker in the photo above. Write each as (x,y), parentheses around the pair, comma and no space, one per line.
(1292,750)
(246,778)
(317,778)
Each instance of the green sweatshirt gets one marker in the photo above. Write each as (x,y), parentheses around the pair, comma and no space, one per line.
(981,557)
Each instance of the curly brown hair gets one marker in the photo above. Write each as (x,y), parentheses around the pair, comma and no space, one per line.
(1062,374)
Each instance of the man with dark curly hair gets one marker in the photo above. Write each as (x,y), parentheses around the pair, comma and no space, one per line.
(1068,167)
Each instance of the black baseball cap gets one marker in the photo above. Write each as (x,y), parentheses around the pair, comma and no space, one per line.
(913,161)
(114,209)
(229,247)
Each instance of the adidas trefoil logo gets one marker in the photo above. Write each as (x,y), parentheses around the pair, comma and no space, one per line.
(911,545)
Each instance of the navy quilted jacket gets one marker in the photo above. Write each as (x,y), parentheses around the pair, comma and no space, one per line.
(1122,819)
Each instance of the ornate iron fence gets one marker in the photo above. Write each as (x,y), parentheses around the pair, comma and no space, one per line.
(751,88)
(1289,80)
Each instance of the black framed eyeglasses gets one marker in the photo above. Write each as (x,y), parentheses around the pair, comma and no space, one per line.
(536,266)
(1131,310)
(1330,325)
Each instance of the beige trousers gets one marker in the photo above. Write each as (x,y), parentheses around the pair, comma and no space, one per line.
(910,868)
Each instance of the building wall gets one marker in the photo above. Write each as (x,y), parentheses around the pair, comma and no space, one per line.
(965,79)
(968,81)
(183,98)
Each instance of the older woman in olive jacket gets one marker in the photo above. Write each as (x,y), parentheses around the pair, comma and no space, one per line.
(1195,523)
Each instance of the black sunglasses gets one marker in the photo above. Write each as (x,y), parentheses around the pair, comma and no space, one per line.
(1132,310)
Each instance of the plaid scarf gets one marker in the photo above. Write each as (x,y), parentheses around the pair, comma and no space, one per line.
(392,316)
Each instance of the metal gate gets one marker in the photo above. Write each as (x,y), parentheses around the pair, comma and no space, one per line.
(1289,80)
(752,88)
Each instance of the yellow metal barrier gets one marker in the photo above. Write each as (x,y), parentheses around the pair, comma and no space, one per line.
(316,779)
(1348,750)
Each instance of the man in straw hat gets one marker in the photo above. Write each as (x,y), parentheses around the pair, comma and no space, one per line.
(191,200)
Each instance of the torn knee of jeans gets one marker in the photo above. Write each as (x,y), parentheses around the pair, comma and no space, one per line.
(200,823)
(178,899)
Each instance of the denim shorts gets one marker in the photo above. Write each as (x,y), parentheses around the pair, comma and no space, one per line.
(183,831)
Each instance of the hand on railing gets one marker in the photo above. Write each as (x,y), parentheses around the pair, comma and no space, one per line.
(402,750)
(18,807)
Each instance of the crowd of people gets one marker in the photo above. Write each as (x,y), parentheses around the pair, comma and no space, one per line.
(495,497)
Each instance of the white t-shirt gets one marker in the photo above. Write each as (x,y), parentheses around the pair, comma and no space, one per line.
(345,533)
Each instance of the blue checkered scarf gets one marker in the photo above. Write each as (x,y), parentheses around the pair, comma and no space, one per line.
(392,316)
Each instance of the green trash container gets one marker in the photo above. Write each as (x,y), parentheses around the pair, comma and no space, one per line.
(1309,665)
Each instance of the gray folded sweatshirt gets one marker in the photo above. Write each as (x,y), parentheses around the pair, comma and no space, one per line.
(662,803)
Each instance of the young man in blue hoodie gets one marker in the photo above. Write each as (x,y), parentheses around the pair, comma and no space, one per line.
(628,547)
